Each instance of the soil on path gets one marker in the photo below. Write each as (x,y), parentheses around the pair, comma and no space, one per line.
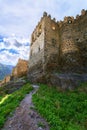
(26,118)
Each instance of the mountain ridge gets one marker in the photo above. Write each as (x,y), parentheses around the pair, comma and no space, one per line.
(5,70)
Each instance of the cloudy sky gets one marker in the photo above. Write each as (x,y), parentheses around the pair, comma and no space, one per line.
(18,19)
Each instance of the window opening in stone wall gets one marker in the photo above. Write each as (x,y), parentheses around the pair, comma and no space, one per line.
(77,39)
(53,28)
(69,21)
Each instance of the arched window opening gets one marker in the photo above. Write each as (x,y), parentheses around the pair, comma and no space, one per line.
(69,21)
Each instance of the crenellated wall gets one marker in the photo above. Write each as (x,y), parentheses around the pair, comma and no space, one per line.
(59,46)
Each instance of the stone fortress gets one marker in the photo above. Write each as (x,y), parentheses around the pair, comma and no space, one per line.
(58,48)
(58,53)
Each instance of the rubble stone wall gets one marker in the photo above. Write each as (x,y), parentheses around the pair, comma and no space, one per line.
(58,47)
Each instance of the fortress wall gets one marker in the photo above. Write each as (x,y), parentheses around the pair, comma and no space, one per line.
(81,41)
(72,42)
(58,47)
(69,51)
(51,44)
(36,58)
(36,50)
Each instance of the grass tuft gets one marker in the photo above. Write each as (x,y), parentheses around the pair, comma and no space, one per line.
(63,110)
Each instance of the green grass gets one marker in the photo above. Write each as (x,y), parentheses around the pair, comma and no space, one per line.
(8,102)
(62,110)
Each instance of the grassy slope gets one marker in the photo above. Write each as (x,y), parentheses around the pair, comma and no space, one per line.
(63,110)
(8,102)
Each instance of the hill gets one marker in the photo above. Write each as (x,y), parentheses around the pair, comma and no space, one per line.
(5,70)
(63,110)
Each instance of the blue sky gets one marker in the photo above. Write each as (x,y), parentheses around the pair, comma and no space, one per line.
(18,19)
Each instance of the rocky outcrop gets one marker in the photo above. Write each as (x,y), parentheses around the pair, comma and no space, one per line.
(5,70)
(21,69)
(67,81)
(12,86)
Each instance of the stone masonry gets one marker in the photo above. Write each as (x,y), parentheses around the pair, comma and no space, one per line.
(58,47)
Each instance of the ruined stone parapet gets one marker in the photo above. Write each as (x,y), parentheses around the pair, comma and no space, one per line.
(71,19)
(40,26)
(60,23)
(83,12)
(44,14)
(77,16)
(48,16)
(68,19)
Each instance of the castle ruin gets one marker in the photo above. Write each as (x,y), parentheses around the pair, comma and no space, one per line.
(58,47)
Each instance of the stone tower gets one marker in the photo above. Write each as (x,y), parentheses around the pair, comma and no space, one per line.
(58,47)
(44,47)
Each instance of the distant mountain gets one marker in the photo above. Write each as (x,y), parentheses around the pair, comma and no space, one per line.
(5,70)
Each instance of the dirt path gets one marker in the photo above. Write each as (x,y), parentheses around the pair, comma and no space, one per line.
(26,118)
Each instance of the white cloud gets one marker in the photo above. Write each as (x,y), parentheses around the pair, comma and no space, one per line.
(21,16)
(13,48)
(7,58)
(18,19)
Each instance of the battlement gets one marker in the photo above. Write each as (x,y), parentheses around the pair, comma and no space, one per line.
(67,20)
(40,26)
(71,19)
